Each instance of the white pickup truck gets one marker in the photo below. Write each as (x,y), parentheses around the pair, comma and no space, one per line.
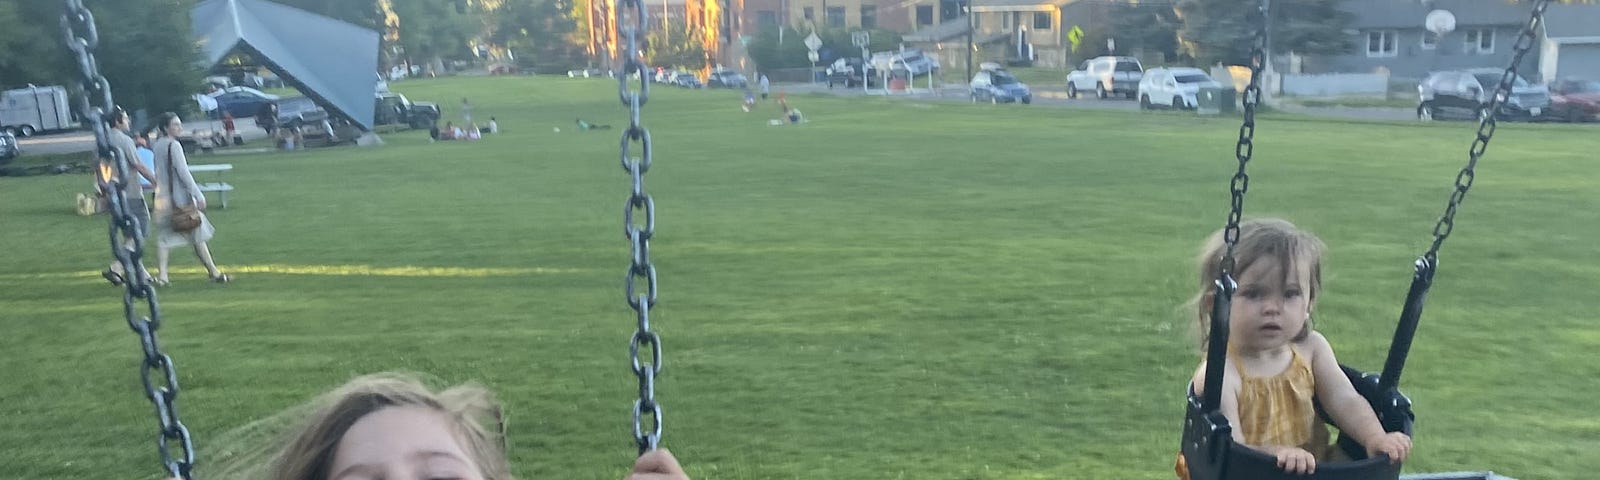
(1106,76)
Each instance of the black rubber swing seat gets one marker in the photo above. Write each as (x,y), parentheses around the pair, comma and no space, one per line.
(1211,454)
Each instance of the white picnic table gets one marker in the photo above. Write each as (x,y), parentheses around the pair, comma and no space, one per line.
(221,187)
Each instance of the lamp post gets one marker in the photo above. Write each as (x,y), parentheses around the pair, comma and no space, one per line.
(972,24)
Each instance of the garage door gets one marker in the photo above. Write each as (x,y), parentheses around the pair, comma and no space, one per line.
(1579,60)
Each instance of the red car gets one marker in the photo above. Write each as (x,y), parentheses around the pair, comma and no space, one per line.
(1575,100)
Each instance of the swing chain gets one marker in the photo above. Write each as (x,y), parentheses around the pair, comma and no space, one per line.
(157,372)
(630,18)
(1486,128)
(1240,183)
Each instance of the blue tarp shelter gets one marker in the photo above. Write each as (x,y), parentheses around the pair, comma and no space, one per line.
(333,62)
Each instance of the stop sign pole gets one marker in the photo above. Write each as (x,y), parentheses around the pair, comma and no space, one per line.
(862,39)
(813,42)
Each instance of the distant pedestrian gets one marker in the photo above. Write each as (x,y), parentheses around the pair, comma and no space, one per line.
(766,86)
(466,111)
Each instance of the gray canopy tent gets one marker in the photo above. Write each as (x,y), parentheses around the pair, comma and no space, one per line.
(333,62)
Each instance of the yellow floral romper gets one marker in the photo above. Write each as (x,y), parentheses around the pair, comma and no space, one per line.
(1278,410)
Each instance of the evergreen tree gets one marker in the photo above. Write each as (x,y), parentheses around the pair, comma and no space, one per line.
(1222,31)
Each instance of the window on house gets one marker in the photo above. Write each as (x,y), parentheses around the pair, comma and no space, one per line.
(869,16)
(1381,43)
(1479,41)
(810,13)
(767,18)
(1041,20)
(1430,40)
(924,15)
(835,17)
(1005,21)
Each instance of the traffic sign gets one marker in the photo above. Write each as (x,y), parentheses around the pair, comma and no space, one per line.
(813,42)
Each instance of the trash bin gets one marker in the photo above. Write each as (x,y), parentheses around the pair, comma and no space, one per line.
(1216,100)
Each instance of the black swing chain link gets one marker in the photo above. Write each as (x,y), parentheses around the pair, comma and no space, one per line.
(157,373)
(632,28)
(1486,128)
(1245,148)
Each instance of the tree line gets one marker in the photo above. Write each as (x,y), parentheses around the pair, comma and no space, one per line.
(148,54)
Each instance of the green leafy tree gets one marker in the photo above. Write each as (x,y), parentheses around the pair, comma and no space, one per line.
(1218,31)
(678,45)
(146,50)
(538,32)
(436,30)
(1151,28)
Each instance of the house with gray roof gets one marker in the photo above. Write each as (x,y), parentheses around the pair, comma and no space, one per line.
(1390,35)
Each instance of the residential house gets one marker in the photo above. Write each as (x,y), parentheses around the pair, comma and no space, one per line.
(1036,31)
(807,14)
(1571,43)
(1389,35)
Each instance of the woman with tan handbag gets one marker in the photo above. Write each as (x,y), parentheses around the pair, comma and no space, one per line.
(180,205)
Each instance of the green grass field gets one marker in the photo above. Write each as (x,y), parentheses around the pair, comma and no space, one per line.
(895,290)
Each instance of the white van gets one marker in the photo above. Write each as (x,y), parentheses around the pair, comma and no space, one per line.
(26,111)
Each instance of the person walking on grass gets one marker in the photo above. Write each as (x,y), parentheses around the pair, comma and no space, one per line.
(176,188)
(134,173)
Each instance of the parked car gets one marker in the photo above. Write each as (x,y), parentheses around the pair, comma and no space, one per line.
(995,85)
(664,75)
(396,109)
(241,101)
(8,147)
(727,79)
(299,111)
(1106,76)
(218,81)
(1173,87)
(1465,93)
(686,80)
(1575,100)
(848,71)
(910,60)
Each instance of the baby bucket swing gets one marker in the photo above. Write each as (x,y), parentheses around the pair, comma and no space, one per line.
(1208,446)
(157,372)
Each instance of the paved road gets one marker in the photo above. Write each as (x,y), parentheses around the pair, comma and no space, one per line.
(1055,97)
(1052,96)
(83,141)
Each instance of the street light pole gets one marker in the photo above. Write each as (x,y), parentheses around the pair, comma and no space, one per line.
(972,23)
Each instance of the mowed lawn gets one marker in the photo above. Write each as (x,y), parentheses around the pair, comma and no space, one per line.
(898,289)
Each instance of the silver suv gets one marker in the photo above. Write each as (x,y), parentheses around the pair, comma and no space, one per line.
(1465,94)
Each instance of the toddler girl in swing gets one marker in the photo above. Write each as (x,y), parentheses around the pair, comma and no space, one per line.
(1276,361)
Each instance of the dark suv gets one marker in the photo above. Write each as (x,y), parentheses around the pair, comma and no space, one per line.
(1465,93)
(396,109)
(299,111)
